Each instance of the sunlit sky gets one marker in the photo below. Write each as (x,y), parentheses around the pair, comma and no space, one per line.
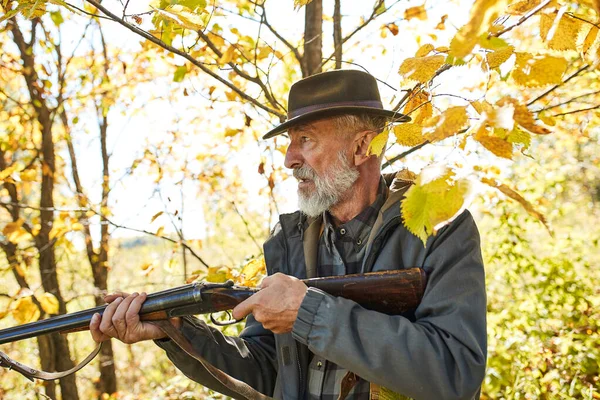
(135,200)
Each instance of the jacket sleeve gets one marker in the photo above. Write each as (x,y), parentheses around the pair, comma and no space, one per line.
(250,357)
(441,355)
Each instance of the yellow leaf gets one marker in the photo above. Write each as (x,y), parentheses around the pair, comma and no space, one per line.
(183,17)
(481,106)
(77,226)
(24,310)
(537,71)
(229,132)
(523,116)
(428,205)
(406,175)
(145,266)
(378,143)
(421,69)
(419,107)
(416,12)
(29,175)
(498,57)
(451,122)
(7,172)
(227,56)
(160,231)
(158,214)
(590,38)
(522,7)
(496,145)
(546,119)
(483,13)
(442,24)
(252,269)
(501,117)
(218,274)
(49,303)
(300,3)
(519,136)
(409,134)
(424,50)
(559,31)
(516,196)
(12,227)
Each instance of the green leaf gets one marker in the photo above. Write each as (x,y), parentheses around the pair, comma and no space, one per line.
(193,5)
(381,9)
(431,204)
(57,18)
(180,73)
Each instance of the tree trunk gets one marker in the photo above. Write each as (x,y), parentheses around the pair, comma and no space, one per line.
(313,35)
(337,33)
(57,347)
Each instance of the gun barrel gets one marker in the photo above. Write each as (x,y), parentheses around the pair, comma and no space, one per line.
(163,300)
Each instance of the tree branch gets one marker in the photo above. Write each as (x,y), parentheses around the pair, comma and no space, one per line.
(189,58)
(553,88)
(577,111)
(523,19)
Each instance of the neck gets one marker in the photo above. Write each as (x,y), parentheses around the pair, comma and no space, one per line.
(361,195)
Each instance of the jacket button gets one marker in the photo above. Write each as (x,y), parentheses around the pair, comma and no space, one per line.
(319,364)
(343,231)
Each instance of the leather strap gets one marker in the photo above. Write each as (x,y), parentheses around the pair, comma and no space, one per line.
(348,382)
(31,373)
(244,390)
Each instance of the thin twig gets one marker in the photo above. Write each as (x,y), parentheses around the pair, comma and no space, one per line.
(523,19)
(569,101)
(553,88)
(189,58)
(577,111)
(247,226)
(402,155)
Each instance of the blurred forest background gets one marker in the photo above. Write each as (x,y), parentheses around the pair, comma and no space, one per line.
(131,159)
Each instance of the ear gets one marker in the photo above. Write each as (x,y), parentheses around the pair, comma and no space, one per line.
(361,145)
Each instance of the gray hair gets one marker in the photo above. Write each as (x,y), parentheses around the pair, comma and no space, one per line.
(350,124)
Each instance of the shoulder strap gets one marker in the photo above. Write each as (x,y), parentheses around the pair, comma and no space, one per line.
(31,373)
(310,242)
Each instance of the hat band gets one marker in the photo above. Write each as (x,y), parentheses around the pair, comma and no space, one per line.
(317,107)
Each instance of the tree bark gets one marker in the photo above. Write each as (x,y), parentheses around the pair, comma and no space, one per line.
(56,347)
(313,35)
(337,33)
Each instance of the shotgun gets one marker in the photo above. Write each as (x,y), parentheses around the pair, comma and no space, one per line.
(390,292)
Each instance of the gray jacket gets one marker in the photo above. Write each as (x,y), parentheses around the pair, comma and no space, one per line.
(437,352)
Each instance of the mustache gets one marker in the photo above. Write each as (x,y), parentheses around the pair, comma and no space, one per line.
(305,172)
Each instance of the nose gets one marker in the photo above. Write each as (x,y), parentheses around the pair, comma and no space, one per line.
(293,157)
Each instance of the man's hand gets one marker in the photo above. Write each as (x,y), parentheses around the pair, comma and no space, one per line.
(121,320)
(276,305)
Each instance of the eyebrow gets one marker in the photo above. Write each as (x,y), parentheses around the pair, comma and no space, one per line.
(305,128)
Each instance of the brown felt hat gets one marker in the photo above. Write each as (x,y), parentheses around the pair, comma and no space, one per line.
(334,93)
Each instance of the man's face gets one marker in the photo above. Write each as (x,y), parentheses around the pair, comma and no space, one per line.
(321,160)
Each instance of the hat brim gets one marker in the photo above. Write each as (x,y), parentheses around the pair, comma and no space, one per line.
(395,117)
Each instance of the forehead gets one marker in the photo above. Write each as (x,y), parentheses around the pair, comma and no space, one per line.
(322,127)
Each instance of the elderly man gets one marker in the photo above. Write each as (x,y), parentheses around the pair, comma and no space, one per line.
(302,343)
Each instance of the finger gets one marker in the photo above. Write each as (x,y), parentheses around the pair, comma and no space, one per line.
(118,318)
(245,307)
(106,325)
(109,298)
(132,316)
(97,335)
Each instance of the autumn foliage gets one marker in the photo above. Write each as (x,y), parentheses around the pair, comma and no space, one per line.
(504,103)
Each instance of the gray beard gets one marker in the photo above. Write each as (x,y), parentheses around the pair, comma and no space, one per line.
(329,190)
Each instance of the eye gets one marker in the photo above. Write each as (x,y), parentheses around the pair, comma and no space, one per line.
(304,139)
